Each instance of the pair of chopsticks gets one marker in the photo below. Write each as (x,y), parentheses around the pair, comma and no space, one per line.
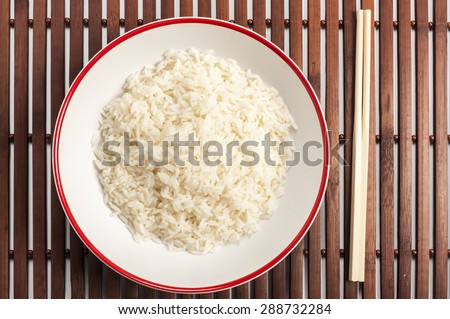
(360,145)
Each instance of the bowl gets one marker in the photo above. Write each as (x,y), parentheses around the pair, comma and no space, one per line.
(152,264)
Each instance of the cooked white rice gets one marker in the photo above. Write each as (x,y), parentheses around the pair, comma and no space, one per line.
(194,208)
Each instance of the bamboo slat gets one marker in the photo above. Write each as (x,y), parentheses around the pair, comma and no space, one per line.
(296,53)
(314,69)
(350,288)
(387,149)
(4,145)
(186,8)
(223,9)
(423,150)
(167,9)
(259,17)
(95,44)
(112,278)
(75,65)
(58,220)
(130,288)
(369,287)
(240,14)
(112,15)
(279,279)
(204,8)
(441,150)
(21,149)
(261,284)
(332,116)
(39,150)
(405,150)
(149,10)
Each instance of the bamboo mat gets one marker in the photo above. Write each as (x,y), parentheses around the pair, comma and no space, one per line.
(407,247)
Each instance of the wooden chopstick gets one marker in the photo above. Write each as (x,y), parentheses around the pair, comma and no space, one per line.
(360,146)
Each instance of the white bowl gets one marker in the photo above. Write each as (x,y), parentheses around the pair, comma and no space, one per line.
(152,264)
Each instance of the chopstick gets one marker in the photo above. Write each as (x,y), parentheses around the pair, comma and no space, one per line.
(361,132)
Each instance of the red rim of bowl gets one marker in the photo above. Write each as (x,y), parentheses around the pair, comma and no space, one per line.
(158,24)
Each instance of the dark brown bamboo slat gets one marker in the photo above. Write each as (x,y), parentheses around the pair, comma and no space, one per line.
(223,294)
(259,17)
(149,14)
(186,9)
(112,284)
(39,150)
(261,284)
(75,66)
(4,146)
(296,53)
(131,289)
(147,293)
(167,295)
(185,296)
(387,149)
(371,221)
(314,258)
(95,44)
(112,278)
(95,27)
(149,10)
(332,116)
(222,12)
(279,280)
(204,8)
(405,150)
(222,9)
(205,296)
(112,15)
(57,95)
(21,149)
(349,10)
(441,150)
(242,291)
(131,14)
(423,145)
(240,12)
(167,9)
(240,16)
(295,31)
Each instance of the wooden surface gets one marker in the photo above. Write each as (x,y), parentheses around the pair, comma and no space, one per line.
(423,149)
(370,280)
(279,279)
(4,145)
(441,151)
(39,151)
(58,220)
(415,253)
(332,116)
(349,48)
(387,150)
(296,53)
(21,149)
(314,69)
(77,273)
(405,151)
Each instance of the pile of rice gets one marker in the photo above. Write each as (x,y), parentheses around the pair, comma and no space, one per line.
(194,208)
